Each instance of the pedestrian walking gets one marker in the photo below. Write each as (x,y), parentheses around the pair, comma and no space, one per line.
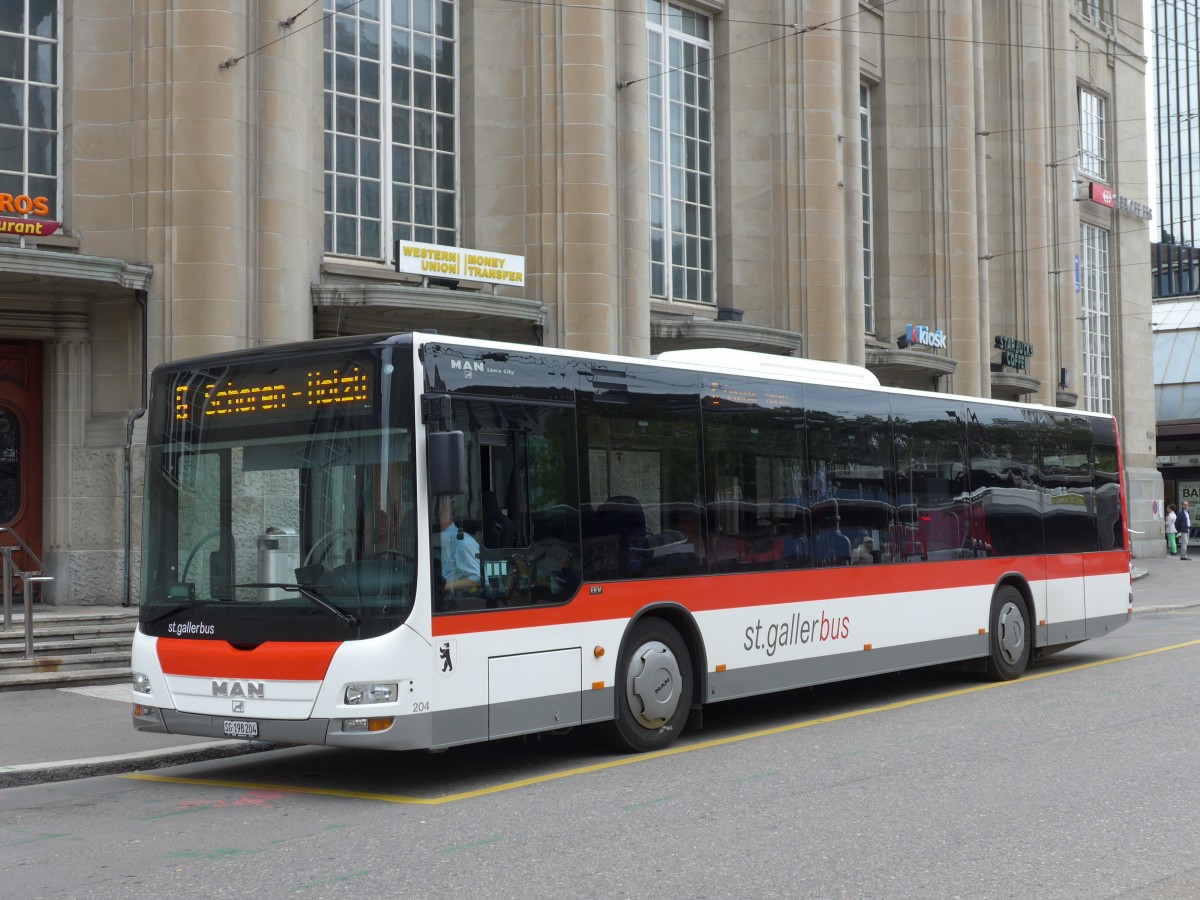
(1172,536)
(1183,525)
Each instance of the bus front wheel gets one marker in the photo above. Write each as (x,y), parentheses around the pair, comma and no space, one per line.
(1009,639)
(654,688)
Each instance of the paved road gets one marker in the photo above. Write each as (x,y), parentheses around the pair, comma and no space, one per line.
(1077,781)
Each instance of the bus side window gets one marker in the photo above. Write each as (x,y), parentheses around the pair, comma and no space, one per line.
(851,484)
(755,457)
(639,447)
(522,507)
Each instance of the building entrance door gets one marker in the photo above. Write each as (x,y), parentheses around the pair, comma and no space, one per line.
(21,445)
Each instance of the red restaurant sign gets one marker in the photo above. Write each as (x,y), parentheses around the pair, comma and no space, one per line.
(31,227)
(24,205)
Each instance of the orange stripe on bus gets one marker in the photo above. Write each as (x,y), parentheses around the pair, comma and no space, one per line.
(274,660)
(705,593)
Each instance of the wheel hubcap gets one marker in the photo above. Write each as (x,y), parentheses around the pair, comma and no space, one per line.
(1011,633)
(652,684)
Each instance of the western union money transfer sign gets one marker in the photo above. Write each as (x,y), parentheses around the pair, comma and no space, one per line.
(435,261)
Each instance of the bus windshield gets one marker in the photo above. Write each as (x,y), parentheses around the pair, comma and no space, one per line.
(280,501)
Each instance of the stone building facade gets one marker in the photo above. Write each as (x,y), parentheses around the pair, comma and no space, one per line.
(930,189)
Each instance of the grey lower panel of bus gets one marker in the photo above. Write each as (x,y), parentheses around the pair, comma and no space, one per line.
(515,717)
(1076,630)
(415,734)
(1102,625)
(782,676)
(424,730)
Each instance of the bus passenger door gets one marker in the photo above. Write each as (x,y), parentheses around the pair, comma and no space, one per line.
(530,692)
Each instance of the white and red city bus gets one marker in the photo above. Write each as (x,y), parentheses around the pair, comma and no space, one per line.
(417,541)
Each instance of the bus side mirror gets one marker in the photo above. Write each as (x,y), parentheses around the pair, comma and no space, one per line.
(447,462)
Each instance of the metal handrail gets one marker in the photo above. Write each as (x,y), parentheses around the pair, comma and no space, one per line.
(27,580)
(4,529)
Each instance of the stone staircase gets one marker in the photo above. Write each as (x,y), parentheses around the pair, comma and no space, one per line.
(78,645)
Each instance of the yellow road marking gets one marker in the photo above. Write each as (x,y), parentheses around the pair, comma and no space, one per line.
(658,754)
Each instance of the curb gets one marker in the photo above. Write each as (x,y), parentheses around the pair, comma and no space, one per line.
(71,769)
(1166,607)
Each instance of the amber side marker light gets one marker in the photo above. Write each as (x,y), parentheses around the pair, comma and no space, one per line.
(598,652)
(721,667)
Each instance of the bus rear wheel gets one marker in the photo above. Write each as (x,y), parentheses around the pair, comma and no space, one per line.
(654,688)
(1009,638)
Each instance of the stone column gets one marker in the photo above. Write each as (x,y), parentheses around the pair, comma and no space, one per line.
(633,177)
(285,100)
(195,185)
(851,135)
(585,170)
(1033,240)
(960,220)
(822,249)
(983,263)
(77,526)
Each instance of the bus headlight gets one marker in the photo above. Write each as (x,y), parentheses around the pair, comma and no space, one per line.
(371,693)
(141,683)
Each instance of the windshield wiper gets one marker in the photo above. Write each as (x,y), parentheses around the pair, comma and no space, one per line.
(170,612)
(309,591)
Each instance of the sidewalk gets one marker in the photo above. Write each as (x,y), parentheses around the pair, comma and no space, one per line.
(80,732)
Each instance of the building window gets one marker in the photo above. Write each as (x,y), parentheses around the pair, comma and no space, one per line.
(1097,340)
(864,121)
(390,125)
(1091,135)
(1094,11)
(29,165)
(681,158)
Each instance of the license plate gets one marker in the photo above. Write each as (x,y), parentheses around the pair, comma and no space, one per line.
(241,729)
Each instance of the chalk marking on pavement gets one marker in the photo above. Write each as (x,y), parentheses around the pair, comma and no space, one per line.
(337,879)
(658,754)
(118,692)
